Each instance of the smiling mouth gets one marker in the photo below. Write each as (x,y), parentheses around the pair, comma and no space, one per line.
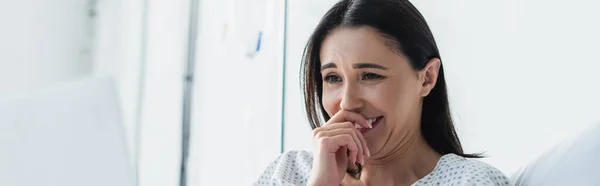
(373,121)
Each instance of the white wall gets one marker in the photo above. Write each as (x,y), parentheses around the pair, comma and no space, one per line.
(160,130)
(46,42)
(117,52)
(521,74)
(237,98)
(43,43)
(146,59)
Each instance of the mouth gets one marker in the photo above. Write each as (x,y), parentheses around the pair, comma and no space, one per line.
(373,121)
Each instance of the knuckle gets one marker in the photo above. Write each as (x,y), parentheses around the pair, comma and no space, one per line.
(348,124)
(348,131)
(319,135)
(315,132)
(351,131)
(322,141)
(353,147)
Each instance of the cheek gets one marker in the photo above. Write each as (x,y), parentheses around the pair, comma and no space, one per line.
(330,101)
(396,98)
(384,97)
(379,96)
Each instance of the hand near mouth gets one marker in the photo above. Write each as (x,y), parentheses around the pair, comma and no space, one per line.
(339,143)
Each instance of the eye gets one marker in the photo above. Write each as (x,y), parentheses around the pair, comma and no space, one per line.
(372,76)
(332,79)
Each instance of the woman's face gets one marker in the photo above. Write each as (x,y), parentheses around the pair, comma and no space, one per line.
(362,74)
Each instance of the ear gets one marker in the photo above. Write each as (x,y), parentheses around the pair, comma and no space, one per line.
(429,76)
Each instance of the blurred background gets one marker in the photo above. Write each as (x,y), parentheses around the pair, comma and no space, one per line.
(522,75)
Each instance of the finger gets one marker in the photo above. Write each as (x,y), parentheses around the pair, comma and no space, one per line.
(344,124)
(333,126)
(363,142)
(347,130)
(343,140)
(353,147)
(361,147)
(343,116)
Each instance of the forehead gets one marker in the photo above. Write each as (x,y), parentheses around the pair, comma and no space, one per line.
(351,44)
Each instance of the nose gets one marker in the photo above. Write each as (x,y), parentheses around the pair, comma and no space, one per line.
(351,99)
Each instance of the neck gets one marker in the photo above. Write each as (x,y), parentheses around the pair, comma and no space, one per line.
(407,162)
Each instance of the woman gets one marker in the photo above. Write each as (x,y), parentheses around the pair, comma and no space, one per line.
(373,72)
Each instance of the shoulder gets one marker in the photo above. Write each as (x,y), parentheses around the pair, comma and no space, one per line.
(456,170)
(290,168)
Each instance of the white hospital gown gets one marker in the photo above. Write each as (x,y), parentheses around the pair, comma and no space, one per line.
(293,168)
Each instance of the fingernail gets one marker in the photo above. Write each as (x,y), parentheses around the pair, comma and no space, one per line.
(368,153)
(362,161)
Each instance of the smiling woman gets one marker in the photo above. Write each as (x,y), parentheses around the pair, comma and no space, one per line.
(376,99)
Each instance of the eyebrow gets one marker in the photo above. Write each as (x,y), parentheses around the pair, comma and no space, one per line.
(369,65)
(356,66)
(328,65)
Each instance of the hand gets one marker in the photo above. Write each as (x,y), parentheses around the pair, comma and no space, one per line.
(338,143)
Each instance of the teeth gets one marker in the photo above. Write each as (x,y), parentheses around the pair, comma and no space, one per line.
(357,126)
(371,121)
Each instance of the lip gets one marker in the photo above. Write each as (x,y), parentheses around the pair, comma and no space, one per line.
(365,130)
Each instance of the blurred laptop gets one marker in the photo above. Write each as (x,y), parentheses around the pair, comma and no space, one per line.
(67,135)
